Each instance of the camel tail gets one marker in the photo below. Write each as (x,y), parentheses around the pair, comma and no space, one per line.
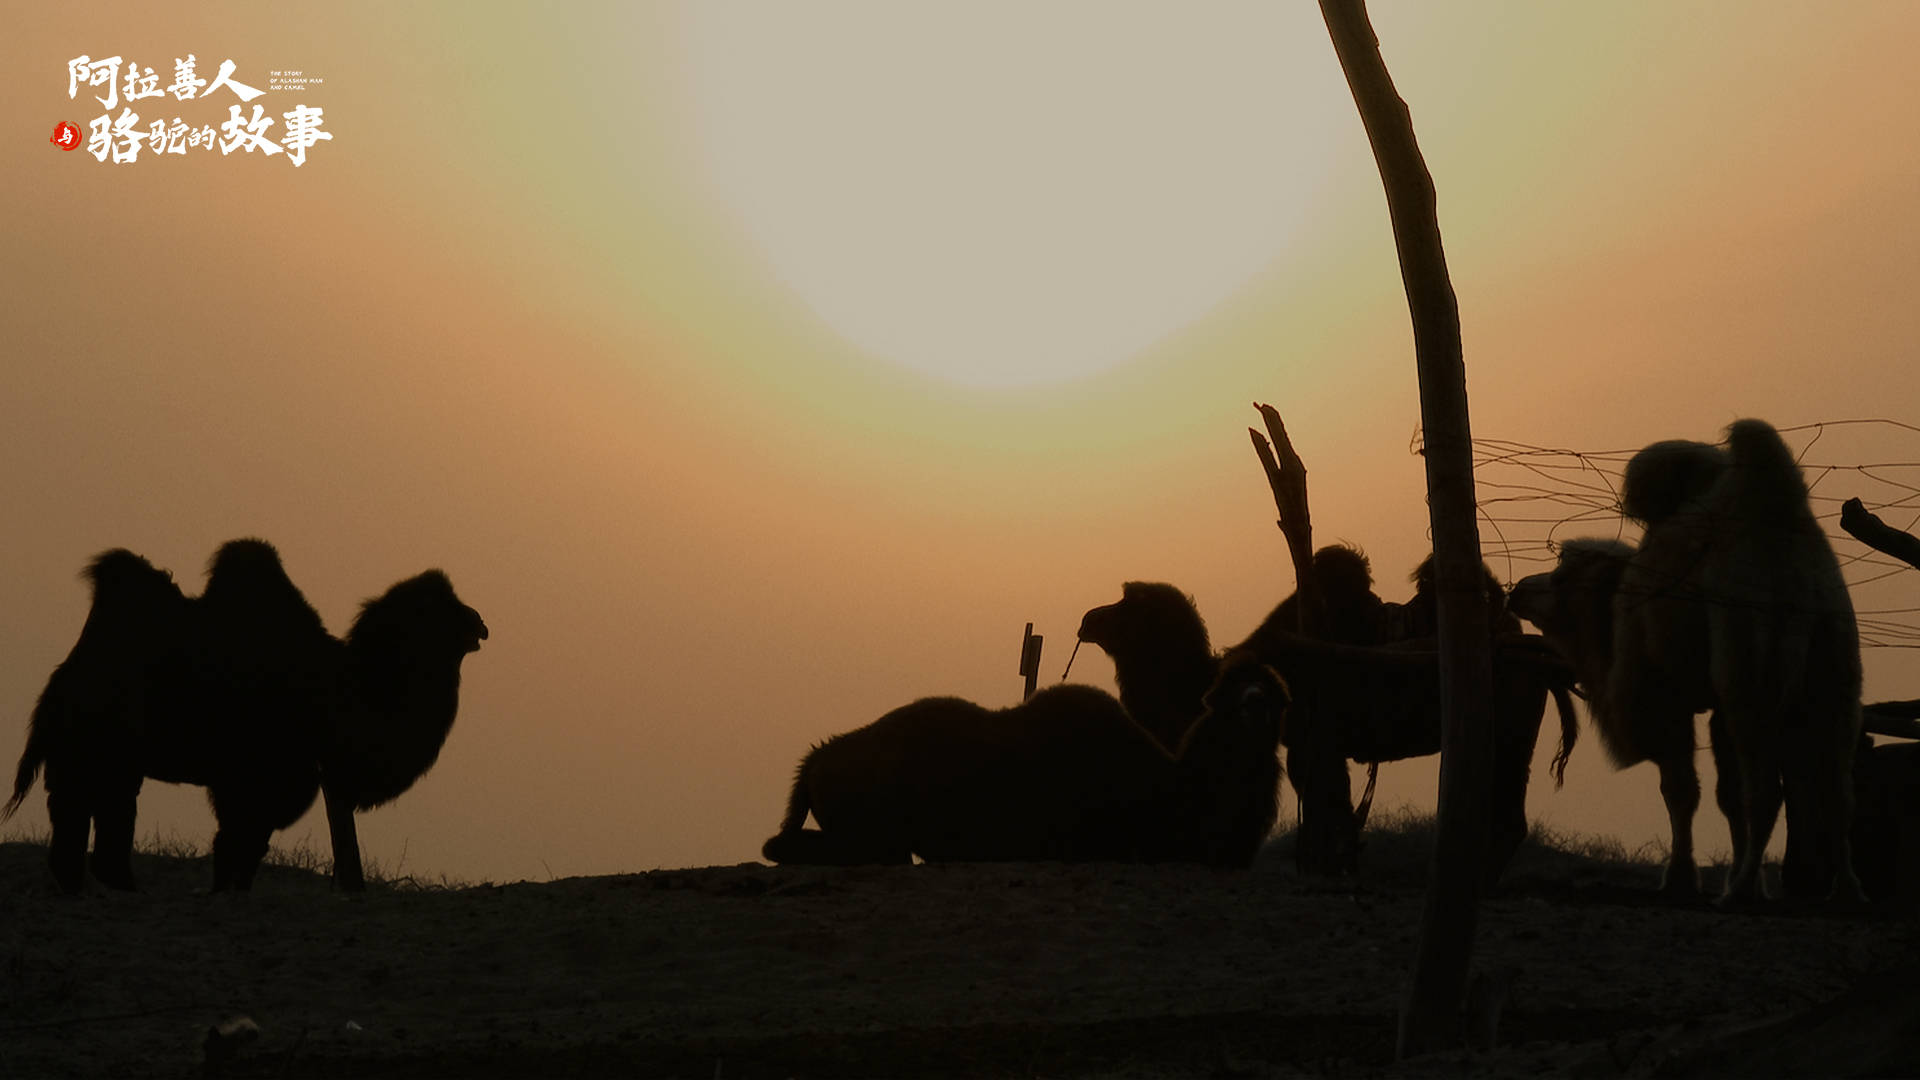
(1569,734)
(31,759)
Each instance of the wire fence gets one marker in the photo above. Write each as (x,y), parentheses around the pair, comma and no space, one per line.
(1534,498)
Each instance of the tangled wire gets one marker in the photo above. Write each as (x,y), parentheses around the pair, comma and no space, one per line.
(1533,497)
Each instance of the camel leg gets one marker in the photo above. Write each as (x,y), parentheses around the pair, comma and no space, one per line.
(1512,768)
(71,818)
(1846,883)
(113,818)
(237,851)
(1680,787)
(810,848)
(1760,785)
(347,876)
(1726,784)
(1826,770)
(1806,871)
(1328,841)
(885,844)
(240,836)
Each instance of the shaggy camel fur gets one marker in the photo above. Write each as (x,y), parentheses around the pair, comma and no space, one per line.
(1732,602)
(1068,774)
(1385,709)
(243,691)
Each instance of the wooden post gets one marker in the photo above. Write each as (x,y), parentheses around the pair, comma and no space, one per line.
(1429,1017)
(1030,643)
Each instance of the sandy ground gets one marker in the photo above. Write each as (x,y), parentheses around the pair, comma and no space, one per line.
(984,970)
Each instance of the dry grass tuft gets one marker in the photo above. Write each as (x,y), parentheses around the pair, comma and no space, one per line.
(1397,851)
(170,862)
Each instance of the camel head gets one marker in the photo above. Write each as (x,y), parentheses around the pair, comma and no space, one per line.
(1250,698)
(1572,604)
(1151,619)
(421,616)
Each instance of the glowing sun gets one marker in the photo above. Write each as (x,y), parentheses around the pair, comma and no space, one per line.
(999,194)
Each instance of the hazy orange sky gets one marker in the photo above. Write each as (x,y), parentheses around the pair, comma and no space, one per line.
(756,368)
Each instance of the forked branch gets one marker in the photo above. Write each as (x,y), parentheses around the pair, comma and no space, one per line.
(1865,526)
(1287,476)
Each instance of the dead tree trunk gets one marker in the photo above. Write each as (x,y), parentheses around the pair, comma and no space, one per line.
(1429,1017)
(1329,838)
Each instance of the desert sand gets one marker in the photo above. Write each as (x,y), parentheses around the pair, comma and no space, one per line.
(912,971)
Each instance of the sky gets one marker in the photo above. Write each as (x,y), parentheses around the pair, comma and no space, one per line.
(755,369)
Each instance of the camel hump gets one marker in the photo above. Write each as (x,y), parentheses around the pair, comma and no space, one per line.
(428,583)
(120,577)
(248,590)
(132,599)
(1766,474)
(1753,442)
(248,555)
(121,567)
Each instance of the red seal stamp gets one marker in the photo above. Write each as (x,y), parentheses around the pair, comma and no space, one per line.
(65,136)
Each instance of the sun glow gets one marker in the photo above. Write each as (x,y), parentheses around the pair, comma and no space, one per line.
(1002,195)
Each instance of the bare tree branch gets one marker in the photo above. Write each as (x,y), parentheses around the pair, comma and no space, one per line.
(1328,838)
(1865,526)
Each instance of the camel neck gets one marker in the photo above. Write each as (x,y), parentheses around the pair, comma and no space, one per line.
(1164,698)
(403,682)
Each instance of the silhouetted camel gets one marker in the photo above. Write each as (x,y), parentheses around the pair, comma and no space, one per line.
(1164,663)
(395,702)
(1065,775)
(1381,699)
(1162,659)
(243,691)
(1732,602)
